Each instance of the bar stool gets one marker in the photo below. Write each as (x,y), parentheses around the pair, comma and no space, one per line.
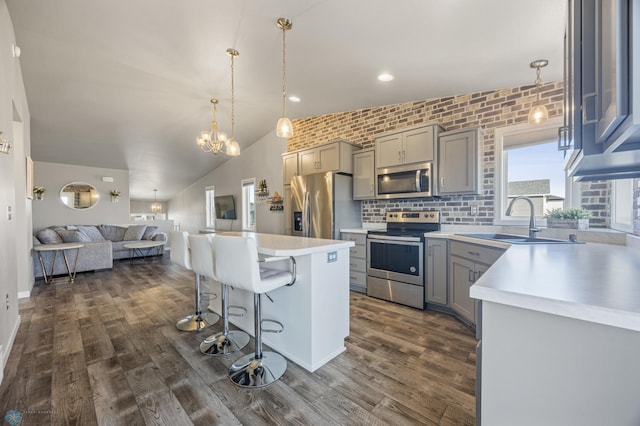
(237,264)
(227,341)
(181,255)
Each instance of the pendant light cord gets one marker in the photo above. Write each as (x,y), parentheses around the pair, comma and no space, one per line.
(233,116)
(284,71)
(538,83)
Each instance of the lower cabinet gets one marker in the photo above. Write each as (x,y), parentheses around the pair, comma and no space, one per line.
(357,261)
(436,263)
(467,263)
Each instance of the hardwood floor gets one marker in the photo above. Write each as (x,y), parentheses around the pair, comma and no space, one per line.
(105,350)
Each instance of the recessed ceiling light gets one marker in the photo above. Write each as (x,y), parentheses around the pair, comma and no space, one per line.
(385,77)
(294,99)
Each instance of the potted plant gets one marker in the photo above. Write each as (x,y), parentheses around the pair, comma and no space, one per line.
(115,195)
(39,191)
(571,218)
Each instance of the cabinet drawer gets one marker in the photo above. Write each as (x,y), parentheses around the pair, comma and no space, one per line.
(358,251)
(357,264)
(358,278)
(359,239)
(475,252)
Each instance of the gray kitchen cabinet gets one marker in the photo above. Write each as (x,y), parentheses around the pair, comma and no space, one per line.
(289,167)
(413,145)
(329,157)
(467,263)
(357,261)
(364,174)
(436,264)
(460,161)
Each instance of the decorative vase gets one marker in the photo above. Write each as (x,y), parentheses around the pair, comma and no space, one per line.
(581,224)
(39,196)
(115,199)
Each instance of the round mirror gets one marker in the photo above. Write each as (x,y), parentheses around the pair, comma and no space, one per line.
(79,195)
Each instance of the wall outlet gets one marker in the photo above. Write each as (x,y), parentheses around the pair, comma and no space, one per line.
(332,256)
(474,208)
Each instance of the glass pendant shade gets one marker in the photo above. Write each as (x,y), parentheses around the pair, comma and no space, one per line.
(233,149)
(538,114)
(284,129)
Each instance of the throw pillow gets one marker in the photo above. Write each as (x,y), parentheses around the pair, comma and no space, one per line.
(134,232)
(36,242)
(73,236)
(112,232)
(150,232)
(48,236)
(72,227)
(92,232)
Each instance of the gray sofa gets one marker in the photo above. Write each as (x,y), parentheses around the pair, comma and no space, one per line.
(102,244)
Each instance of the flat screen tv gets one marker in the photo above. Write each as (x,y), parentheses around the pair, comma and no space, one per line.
(225,207)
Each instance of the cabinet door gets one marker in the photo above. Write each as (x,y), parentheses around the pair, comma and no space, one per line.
(288,218)
(459,162)
(461,278)
(328,158)
(363,175)
(389,150)
(289,167)
(417,145)
(436,272)
(308,162)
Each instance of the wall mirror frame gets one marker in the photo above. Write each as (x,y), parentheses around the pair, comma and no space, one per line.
(79,195)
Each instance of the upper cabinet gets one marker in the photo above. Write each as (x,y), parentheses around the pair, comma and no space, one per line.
(414,145)
(460,161)
(364,174)
(602,112)
(328,157)
(290,167)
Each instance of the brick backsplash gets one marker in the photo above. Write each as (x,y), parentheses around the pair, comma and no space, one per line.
(488,109)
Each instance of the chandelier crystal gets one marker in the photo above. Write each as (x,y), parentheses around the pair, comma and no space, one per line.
(233,148)
(284,128)
(212,140)
(538,113)
(156,207)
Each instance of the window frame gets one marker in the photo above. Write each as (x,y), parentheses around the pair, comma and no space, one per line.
(621,197)
(210,206)
(251,182)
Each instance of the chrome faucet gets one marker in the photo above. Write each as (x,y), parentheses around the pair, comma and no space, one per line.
(532,219)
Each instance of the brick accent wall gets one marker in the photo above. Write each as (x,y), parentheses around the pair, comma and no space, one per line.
(489,110)
(596,198)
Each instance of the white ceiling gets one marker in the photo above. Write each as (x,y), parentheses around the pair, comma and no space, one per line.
(126,84)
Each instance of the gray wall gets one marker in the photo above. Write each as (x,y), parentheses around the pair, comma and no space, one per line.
(144,206)
(262,160)
(54,176)
(15,240)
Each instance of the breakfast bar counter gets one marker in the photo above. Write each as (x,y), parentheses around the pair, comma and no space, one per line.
(314,310)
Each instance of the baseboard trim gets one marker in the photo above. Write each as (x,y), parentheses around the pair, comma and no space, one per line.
(24,294)
(1,364)
(7,351)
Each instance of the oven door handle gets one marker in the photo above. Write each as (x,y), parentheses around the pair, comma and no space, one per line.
(384,238)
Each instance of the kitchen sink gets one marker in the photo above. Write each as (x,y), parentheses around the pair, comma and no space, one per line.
(518,239)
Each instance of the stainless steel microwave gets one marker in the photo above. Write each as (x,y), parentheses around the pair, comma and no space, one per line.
(406,181)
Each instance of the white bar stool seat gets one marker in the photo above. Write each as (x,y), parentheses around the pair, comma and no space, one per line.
(227,341)
(238,265)
(181,254)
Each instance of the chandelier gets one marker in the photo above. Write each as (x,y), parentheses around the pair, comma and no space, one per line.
(284,128)
(156,207)
(538,113)
(213,140)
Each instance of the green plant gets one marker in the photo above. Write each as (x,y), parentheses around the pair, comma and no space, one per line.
(567,214)
(38,190)
(115,193)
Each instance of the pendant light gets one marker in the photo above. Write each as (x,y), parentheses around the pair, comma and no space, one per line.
(156,207)
(538,113)
(212,140)
(233,148)
(284,128)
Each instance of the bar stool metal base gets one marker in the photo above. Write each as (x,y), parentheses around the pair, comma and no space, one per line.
(249,372)
(224,344)
(197,322)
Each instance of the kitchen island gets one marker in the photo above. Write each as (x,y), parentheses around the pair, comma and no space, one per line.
(314,310)
(560,336)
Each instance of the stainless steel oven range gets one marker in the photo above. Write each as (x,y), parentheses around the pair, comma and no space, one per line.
(395,265)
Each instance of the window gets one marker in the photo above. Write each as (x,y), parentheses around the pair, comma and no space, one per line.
(210,209)
(249,204)
(529,164)
(622,205)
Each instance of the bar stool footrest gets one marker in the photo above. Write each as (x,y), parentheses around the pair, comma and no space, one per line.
(271,330)
(237,314)
(221,344)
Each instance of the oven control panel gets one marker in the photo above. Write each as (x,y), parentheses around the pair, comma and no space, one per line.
(425,216)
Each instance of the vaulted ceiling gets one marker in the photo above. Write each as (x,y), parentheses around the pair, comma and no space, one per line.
(126,84)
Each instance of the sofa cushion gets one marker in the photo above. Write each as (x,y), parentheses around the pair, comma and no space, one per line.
(72,227)
(134,232)
(112,232)
(73,236)
(149,232)
(36,242)
(49,236)
(91,232)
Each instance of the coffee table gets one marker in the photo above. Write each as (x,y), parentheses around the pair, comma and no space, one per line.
(144,249)
(55,248)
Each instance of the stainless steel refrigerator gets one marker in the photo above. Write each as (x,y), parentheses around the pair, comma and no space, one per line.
(321,204)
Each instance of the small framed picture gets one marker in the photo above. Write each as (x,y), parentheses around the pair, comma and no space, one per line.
(29,178)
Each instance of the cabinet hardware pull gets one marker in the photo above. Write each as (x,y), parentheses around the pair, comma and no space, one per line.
(404,155)
(371,190)
(442,181)
(473,253)
(585,108)
(471,276)
(399,155)
(563,142)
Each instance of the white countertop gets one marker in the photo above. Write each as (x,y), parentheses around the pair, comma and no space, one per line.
(591,282)
(287,245)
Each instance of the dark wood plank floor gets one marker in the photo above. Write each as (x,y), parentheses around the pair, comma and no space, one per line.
(105,350)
